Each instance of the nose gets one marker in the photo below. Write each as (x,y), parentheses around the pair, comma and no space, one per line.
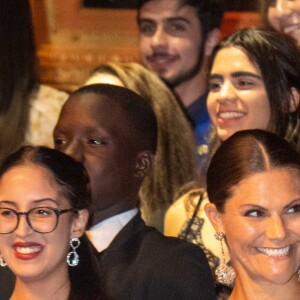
(74,150)
(226,93)
(23,228)
(276,228)
(159,38)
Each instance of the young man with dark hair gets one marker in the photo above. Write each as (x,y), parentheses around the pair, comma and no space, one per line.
(176,39)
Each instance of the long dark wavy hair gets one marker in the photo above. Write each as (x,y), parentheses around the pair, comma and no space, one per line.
(19,73)
(278,60)
(246,153)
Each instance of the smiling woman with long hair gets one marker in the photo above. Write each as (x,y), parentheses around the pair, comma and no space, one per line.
(44,209)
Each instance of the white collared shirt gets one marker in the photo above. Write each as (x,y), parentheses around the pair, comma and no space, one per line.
(103,233)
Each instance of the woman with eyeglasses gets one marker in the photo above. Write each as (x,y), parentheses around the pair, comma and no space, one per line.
(44,203)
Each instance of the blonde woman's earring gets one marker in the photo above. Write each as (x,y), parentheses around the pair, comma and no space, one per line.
(225,274)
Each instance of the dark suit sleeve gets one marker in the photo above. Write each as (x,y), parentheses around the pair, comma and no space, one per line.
(185,274)
(142,264)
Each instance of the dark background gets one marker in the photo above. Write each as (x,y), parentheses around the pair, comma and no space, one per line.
(231,5)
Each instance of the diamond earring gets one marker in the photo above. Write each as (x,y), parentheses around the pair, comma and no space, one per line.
(73,257)
(225,274)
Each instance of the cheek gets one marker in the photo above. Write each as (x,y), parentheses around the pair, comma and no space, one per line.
(273,18)
(60,240)
(4,242)
(240,233)
(262,111)
(258,108)
(63,229)
(211,104)
(95,168)
(190,48)
(145,43)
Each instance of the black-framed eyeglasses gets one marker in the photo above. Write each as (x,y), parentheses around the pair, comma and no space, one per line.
(39,219)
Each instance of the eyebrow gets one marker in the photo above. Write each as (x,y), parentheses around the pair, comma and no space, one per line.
(177,18)
(236,74)
(171,19)
(292,203)
(37,201)
(265,208)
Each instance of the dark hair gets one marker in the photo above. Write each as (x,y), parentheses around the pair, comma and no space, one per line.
(19,73)
(71,176)
(209,12)
(278,60)
(243,154)
(263,8)
(137,111)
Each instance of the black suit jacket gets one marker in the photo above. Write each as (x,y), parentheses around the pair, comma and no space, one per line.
(142,264)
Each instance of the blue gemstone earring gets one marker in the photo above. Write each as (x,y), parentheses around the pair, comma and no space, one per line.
(73,257)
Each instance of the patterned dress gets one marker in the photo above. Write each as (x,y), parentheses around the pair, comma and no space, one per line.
(45,106)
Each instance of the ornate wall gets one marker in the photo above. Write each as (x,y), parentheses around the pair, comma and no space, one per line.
(72,40)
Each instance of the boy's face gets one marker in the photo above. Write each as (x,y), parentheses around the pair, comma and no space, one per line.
(170,40)
(93,130)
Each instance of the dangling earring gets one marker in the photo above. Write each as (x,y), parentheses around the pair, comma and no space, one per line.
(299,275)
(73,257)
(225,274)
(2,262)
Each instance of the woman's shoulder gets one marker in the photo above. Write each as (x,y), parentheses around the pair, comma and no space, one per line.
(179,212)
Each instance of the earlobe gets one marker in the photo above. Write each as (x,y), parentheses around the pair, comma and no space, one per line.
(79,223)
(295,99)
(214,216)
(213,38)
(144,164)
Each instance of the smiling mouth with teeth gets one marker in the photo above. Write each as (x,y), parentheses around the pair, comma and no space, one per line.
(291,28)
(28,250)
(275,251)
(230,115)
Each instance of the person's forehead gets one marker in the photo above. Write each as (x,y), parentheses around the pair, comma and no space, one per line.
(94,102)
(166,9)
(95,111)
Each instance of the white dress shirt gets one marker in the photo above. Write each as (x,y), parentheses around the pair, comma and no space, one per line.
(103,233)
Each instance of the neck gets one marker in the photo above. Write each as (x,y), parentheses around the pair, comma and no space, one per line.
(121,206)
(189,91)
(46,289)
(248,290)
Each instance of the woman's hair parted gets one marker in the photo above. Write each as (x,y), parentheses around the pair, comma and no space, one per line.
(69,174)
(246,153)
